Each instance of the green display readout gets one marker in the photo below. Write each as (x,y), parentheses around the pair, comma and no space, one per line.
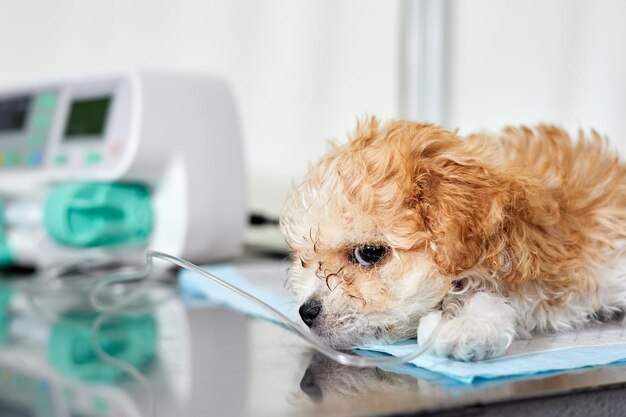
(87,118)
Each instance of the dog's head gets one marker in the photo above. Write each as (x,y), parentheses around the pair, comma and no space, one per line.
(384,226)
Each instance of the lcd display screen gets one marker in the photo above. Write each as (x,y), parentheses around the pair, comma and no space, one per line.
(87,118)
(13,113)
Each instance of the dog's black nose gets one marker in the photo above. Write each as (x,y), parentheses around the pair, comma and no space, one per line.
(309,311)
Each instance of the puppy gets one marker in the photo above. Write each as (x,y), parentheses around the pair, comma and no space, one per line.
(519,232)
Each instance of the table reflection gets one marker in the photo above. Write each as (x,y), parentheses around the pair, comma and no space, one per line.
(326,380)
(60,357)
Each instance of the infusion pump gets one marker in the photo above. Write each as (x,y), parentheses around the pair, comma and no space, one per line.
(109,167)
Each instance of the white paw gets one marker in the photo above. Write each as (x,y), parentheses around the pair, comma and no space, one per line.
(483,329)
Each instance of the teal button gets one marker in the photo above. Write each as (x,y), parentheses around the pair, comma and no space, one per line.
(42,120)
(99,405)
(46,100)
(60,159)
(68,394)
(20,381)
(36,138)
(93,158)
(35,158)
(12,158)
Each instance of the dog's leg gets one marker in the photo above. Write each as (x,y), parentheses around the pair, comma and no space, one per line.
(482,328)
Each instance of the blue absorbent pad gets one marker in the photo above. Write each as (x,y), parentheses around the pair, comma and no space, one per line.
(600,345)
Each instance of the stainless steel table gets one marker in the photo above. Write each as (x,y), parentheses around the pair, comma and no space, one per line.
(211,361)
(246,367)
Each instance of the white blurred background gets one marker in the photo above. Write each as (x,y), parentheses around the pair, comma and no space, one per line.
(303,71)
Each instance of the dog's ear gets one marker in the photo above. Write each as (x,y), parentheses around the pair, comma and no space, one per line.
(471,208)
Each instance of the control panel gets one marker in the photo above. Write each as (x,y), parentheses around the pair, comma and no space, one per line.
(70,126)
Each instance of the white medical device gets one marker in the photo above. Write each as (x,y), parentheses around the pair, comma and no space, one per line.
(116,165)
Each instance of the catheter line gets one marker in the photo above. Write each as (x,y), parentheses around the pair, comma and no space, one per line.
(341,357)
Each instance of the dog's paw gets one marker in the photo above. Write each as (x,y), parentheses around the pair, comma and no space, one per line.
(483,329)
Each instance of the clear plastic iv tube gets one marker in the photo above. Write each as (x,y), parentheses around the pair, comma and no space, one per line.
(336,355)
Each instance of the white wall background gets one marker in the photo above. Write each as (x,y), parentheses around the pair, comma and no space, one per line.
(530,61)
(301,71)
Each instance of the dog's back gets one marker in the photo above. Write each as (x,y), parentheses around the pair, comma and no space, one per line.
(585,176)
(588,181)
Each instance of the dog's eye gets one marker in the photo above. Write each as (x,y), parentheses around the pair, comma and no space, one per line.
(367,255)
